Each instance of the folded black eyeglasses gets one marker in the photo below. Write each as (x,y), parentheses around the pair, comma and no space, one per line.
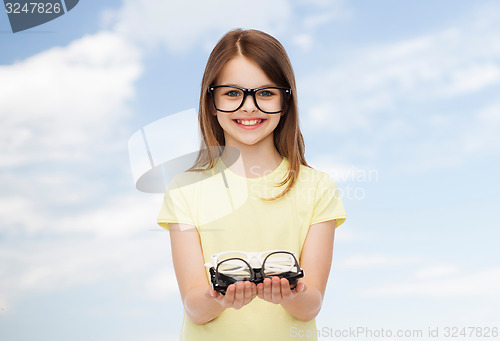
(231,267)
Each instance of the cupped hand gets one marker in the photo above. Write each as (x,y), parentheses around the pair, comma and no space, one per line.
(278,290)
(237,295)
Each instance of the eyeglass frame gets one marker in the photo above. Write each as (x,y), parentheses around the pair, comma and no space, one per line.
(257,274)
(252,92)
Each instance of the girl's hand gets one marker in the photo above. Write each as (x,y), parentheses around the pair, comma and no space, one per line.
(237,295)
(278,291)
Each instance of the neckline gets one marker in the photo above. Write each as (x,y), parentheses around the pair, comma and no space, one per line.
(282,168)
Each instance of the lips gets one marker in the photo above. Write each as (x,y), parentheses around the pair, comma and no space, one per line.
(247,122)
(252,123)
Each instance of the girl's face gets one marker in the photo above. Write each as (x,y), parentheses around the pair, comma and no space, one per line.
(248,126)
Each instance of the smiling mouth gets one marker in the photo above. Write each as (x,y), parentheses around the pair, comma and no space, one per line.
(249,122)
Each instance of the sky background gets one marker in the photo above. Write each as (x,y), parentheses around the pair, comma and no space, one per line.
(399,102)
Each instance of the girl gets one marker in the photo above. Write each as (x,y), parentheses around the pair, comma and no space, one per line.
(264,198)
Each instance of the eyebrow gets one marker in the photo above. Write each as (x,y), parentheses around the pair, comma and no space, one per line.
(262,86)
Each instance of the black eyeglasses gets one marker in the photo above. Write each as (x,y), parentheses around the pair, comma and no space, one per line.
(282,264)
(269,100)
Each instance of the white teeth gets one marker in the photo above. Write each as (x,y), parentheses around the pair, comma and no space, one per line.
(249,122)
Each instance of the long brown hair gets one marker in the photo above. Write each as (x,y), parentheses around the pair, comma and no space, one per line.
(272,58)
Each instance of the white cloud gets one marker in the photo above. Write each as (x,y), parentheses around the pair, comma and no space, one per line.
(120,217)
(483,282)
(320,19)
(342,172)
(436,271)
(3,303)
(375,79)
(475,138)
(328,10)
(34,267)
(360,261)
(303,41)
(453,61)
(84,246)
(162,285)
(60,103)
(173,335)
(346,235)
(123,217)
(482,136)
(471,79)
(180,27)
(404,99)
(14,209)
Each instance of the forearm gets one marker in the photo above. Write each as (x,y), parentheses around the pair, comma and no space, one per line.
(200,307)
(306,305)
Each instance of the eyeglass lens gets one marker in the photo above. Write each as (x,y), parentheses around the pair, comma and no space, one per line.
(278,263)
(237,269)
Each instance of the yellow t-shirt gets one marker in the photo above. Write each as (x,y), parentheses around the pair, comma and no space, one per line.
(229,214)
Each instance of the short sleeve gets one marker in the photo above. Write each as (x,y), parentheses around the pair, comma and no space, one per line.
(175,208)
(327,202)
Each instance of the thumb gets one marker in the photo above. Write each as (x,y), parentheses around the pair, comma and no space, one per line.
(211,293)
(300,287)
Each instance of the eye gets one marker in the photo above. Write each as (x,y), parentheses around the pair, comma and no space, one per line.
(233,93)
(266,93)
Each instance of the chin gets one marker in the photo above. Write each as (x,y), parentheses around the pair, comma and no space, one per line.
(251,140)
(249,143)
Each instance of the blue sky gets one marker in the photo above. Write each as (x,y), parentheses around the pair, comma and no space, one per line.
(398,102)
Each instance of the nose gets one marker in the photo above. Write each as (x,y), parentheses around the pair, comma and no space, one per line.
(249,104)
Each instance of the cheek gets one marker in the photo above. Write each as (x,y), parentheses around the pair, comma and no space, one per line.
(274,121)
(222,119)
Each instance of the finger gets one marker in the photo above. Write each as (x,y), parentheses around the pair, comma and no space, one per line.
(254,291)
(276,290)
(228,299)
(301,286)
(239,295)
(286,293)
(260,290)
(248,292)
(267,289)
(210,292)
(213,293)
